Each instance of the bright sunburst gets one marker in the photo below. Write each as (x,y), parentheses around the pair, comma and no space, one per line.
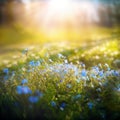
(61,7)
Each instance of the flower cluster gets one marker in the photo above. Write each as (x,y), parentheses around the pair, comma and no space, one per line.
(60,85)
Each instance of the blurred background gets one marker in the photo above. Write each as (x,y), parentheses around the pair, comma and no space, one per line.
(37,22)
(56,19)
(56,13)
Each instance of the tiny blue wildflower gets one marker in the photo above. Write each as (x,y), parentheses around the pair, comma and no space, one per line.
(6,70)
(116,73)
(24,81)
(53,103)
(101,74)
(23,90)
(61,81)
(32,63)
(118,89)
(5,77)
(95,68)
(19,89)
(37,63)
(83,65)
(83,73)
(90,105)
(62,106)
(77,96)
(33,99)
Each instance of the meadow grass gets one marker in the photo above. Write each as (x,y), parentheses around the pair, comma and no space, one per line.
(67,81)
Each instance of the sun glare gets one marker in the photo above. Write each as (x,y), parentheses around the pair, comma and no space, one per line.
(60,13)
(61,7)
(61,16)
(57,14)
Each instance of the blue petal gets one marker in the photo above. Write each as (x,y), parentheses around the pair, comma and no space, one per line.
(24,81)
(83,73)
(90,105)
(63,105)
(23,90)
(6,70)
(19,89)
(53,103)
(33,99)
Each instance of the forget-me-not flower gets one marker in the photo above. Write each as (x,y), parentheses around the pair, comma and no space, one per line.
(33,99)
(24,81)
(23,90)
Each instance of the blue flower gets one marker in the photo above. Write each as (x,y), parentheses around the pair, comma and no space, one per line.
(118,89)
(101,73)
(61,81)
(116,73)
(6,70)
(23,90)
(5,77)
(83,73)
(53,103)
(19,89)
(62,105)
(24,81)
(77,96)
(95,68)
(33,99)
(32,63)
(90,105)
(37,63)
(83,65)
